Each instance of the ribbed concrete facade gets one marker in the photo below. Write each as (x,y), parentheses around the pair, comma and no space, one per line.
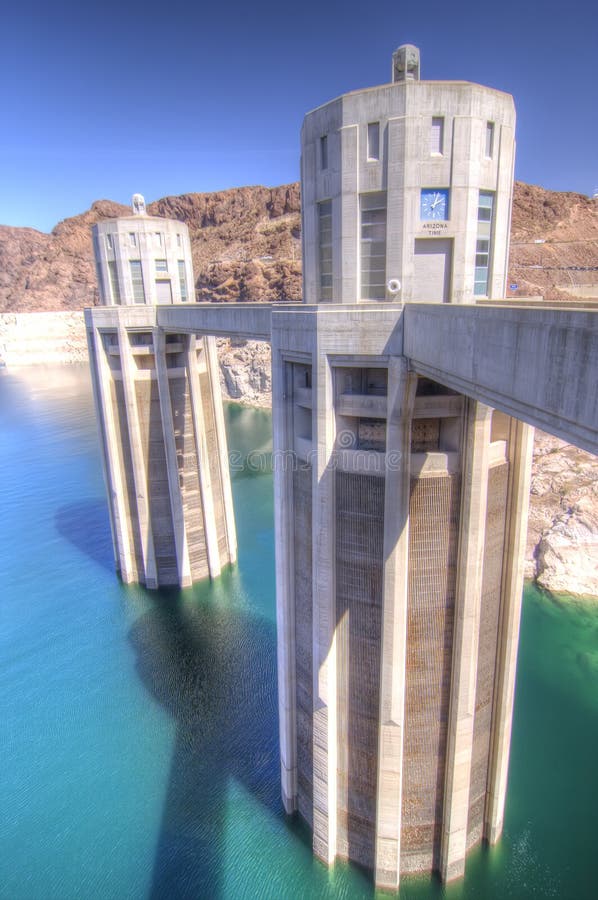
(396,573)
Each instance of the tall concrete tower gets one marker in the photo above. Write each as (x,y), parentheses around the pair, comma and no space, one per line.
(159,409)
(401,524)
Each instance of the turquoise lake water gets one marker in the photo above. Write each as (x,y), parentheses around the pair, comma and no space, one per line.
(138,730)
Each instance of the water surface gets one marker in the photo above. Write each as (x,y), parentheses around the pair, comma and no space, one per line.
(138,729)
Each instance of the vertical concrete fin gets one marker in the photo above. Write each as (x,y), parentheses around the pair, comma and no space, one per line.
(205,481)
(170,451)
(213,368)
(93,368)
(401,399)
(502,236)
(476,455)
(285,596)
(324,619)
(101,378)
(521,445)
(345,234)
(138,463)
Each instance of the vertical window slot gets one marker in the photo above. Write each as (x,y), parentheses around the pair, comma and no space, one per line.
(374,140)
(325,248)
(437,136)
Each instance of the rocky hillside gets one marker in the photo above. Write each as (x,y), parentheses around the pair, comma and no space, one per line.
(246,246)
(562,535)
(554,244)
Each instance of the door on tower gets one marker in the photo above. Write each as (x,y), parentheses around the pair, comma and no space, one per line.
(163,290)
(433,260)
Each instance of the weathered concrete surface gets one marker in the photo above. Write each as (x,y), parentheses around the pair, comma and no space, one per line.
(252,322)
(538,365)
(163,444)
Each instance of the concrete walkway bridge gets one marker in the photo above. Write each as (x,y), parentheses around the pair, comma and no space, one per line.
(536,362)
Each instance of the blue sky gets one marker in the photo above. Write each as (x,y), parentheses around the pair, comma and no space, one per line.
(101,100)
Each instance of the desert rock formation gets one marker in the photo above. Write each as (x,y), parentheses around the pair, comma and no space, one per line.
(554,244)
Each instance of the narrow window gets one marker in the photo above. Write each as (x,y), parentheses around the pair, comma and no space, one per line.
(437,136)
(161,265)
(105,299)
(132,239)
(179,240)
(109,242)
(489,150)
(137,280)
(374,140)
(114,286)
(373,246)
(158,239)
(324,152)
(183,280)
(325,248)
(483,243)
(100,279)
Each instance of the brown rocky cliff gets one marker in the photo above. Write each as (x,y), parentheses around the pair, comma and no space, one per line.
(554,244)
(43,272)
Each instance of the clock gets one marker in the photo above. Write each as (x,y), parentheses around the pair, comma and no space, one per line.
(434,204)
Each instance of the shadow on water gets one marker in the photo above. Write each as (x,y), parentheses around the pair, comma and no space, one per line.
(212,667)
(87,526)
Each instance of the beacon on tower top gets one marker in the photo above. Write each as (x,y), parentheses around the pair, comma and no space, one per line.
(405,63)
(138,204)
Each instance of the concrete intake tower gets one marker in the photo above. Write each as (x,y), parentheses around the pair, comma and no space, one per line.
(401,525)
(159,409)
(401,480)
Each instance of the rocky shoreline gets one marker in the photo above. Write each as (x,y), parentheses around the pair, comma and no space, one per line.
(562,541)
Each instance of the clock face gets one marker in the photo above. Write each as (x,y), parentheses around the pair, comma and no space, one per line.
(434,204)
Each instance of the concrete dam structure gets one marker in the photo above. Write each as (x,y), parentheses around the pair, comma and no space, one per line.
(405,391)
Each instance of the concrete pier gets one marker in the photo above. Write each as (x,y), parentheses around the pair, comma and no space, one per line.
(159,410)
(399,492)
